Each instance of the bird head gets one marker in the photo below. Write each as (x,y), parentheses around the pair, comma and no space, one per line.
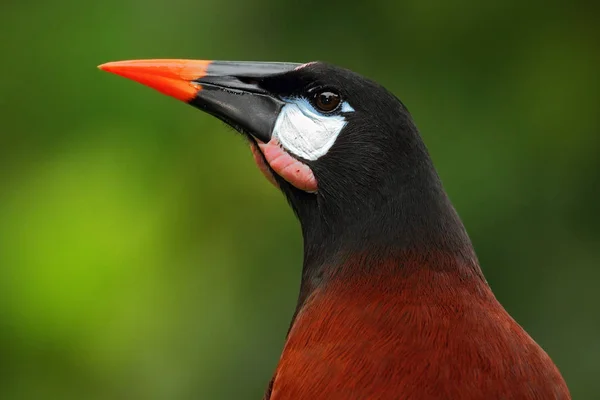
(342,148)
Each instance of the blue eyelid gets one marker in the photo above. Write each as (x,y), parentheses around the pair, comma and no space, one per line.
(346,107)
(307,105)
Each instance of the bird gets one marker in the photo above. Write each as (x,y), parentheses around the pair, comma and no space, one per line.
(392,303)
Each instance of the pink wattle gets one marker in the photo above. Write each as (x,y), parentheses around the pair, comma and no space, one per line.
(295,172)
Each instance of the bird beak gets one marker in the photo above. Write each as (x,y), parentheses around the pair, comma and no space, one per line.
(229,90)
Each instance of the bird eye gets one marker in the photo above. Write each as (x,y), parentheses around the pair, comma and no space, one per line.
(327,100)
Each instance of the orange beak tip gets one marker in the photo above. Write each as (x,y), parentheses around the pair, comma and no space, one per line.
(172,77)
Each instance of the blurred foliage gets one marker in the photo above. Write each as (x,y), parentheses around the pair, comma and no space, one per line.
(142,254)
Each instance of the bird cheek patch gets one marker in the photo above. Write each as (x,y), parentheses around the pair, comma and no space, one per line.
(305,132)
(292,170)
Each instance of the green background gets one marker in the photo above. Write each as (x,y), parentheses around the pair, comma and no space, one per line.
(144,256)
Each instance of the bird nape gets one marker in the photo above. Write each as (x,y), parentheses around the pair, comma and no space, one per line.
(393,303)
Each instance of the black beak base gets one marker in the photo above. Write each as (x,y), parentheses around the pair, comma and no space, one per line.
(231,92)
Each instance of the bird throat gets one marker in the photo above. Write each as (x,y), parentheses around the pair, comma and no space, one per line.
(420,229)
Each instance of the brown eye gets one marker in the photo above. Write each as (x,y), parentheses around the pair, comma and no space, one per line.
(327,101)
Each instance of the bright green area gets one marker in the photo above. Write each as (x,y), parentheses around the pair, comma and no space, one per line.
(142,254)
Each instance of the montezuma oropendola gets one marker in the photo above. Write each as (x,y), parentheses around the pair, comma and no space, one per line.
(393,303)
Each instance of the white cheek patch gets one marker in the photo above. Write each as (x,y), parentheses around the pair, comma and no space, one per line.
(306,133)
